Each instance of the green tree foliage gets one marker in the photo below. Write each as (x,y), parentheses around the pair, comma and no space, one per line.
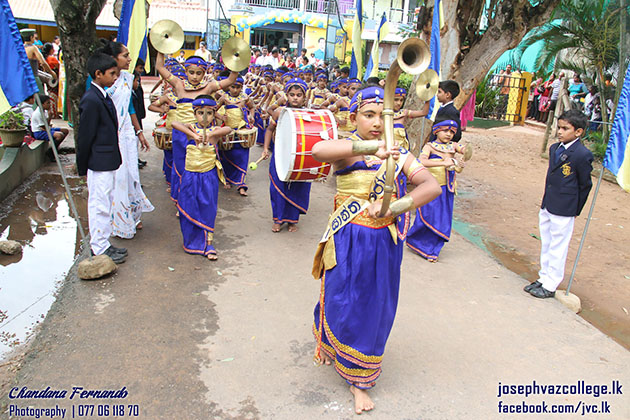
(586,33)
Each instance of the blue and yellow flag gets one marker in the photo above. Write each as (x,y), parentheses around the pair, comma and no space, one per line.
(17,81)
(371,69)
(434,46)
(617,159)
(132,31)
(356,62)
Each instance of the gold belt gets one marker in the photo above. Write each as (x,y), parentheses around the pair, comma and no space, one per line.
(363,218)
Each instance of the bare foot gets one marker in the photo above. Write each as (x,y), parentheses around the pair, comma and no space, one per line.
(276,227)
(227,186)
(168,190)
(177,214)
(139,225)
(243,192)
(293,227)
(213,257)
(324,359)
(362,401)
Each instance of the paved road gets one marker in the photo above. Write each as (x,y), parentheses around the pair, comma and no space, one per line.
(231,339)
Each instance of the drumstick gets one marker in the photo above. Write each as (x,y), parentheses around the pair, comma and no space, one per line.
(254,165)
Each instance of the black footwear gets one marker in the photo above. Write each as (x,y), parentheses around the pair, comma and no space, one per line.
(532,286)
(541,292)
(142,163)
(121,251)
(116,257)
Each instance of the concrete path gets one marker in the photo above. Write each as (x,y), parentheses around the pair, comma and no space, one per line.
(194,339)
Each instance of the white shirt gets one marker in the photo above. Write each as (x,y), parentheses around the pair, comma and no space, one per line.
(270,59)
(180,59)
(38,120)
(100,88)
(556,85)
(260,60)
(205,55)
(569,144)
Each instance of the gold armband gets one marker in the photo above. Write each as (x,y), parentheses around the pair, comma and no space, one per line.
(169,78)
(402,205)
(364,147)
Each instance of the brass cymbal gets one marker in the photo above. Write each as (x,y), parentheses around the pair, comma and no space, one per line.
(468,152)
(427,84)
(166,36)
(236,54)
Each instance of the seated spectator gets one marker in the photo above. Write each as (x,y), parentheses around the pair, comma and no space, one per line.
(38,126)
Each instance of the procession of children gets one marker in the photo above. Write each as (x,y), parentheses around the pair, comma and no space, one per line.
(212,122)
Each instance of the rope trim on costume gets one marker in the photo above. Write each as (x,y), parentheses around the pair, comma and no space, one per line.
(193,221)
(427,256)
(437,232)
(280,221)
(352,355)
(417,170)
(285,197)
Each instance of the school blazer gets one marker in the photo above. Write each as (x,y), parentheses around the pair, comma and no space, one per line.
(449,112)
(97,144)
(568,180)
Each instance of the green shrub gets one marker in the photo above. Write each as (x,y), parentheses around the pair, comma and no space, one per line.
(487,98)
(596,143)
(12,120)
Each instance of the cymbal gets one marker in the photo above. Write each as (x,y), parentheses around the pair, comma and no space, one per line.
(427,84)
(166,36)
(236,54)
(468,152)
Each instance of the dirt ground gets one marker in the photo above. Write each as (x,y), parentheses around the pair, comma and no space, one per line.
(500,192)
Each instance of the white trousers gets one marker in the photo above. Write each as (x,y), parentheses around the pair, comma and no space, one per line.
(100,199)
(555,236)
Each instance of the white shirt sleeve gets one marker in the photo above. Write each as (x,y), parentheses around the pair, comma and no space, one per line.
(37,121)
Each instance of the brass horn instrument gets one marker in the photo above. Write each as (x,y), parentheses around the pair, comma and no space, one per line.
(413,57)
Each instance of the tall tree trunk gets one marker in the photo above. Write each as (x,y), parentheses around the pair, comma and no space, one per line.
(76,20)
(467,54)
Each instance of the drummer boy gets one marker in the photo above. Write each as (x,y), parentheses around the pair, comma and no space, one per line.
(239,109)
(288,201)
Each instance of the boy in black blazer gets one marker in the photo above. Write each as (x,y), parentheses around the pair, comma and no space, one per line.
(567,187)
(448,90)
(98,155)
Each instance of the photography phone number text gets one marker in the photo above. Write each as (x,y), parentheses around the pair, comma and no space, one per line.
(76,411)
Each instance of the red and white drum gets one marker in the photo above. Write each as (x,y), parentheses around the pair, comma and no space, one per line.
(297,131)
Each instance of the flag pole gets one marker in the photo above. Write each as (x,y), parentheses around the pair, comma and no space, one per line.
(73,207)
(588,221)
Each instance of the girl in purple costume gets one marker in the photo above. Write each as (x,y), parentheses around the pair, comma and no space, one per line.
(432,226)
(199,185)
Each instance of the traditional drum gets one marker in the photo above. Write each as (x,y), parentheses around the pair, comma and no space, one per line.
(226,142)
(162,138)
(298,130)
(247,136)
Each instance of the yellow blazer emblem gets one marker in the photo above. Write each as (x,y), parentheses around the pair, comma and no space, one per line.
(566,170)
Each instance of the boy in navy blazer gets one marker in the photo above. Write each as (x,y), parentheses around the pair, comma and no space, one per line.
(98,155)
(448,90)
(567,187)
